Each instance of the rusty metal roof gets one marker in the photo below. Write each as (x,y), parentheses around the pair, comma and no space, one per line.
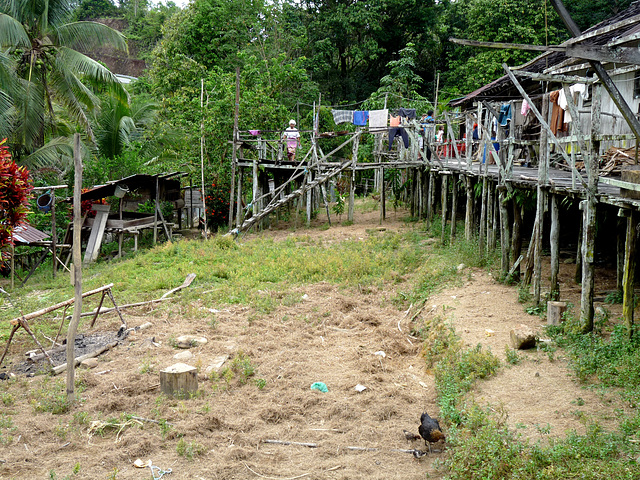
(502,89)
(132,182)
(25,234)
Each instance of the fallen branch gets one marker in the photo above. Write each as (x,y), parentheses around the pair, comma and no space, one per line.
(143,419)
(281,442)
(61,368)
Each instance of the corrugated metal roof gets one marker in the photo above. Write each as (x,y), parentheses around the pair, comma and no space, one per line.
(27,234)
(498,87)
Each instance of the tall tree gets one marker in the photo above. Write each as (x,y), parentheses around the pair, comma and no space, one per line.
(39,52)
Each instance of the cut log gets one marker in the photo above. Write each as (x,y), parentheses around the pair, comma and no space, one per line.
(179,380)
(555,310)
(61,368)
(631,175)
(523,338)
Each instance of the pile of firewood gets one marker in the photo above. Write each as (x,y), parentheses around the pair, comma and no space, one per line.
(614,159)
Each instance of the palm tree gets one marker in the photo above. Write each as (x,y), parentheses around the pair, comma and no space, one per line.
(41,73)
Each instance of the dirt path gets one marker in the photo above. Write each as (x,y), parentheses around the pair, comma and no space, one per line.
(332,336)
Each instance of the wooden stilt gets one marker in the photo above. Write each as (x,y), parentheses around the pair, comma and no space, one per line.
(516,238)
(578,272)
(540,204)
(621,234)
(454,205)
(431,197)
(444,201)
(554,289)
(483,217)
(468,214)
(505,241)
(628,281)
(589,215)
(383,199)
(239,216)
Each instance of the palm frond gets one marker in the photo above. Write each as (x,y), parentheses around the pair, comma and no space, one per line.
(69,91)
(92,72)
(12,33)
(57,154)
(88,36)
(28,118)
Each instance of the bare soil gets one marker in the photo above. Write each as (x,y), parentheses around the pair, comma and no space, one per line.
(332,336)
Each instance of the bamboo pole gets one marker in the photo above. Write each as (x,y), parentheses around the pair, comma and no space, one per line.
(628,280)
(554,291)
(234,158)
(516,238)
(77,268)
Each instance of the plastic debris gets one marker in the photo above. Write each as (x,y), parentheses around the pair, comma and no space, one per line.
(360,388)
(380,354)
(140,464)
(319,386)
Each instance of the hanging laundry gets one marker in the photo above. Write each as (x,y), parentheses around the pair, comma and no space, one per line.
(394,121)
(563,102)
(557,113)
(398,132)
(524,111)
(409,113)
(360,117)
(378,119)
(342,116)
(505,114)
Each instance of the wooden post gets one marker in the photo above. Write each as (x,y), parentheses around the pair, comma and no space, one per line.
(352,186)
(483,217)
(431,197)
(444,201)
(505,240)
(540,203)
(254,187)
(554,292)
(491,234)
(77,267)
(202,193)
(578,272)
(628,280)
(179,380)
(383,212)
(454,205)
(239,216)
(155,213)
(589,215)
(54,234)
(468,214)
(555,310)
(621,235)
(234,158)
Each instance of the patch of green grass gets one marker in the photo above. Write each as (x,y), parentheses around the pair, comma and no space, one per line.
(189,450)
(512,355)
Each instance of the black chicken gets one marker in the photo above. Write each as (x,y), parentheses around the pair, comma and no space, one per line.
(430,430)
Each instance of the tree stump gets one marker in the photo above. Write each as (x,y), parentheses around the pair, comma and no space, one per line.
(179,380)
(523,338)
(555,310)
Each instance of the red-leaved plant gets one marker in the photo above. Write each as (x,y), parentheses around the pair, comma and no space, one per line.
(15,188)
